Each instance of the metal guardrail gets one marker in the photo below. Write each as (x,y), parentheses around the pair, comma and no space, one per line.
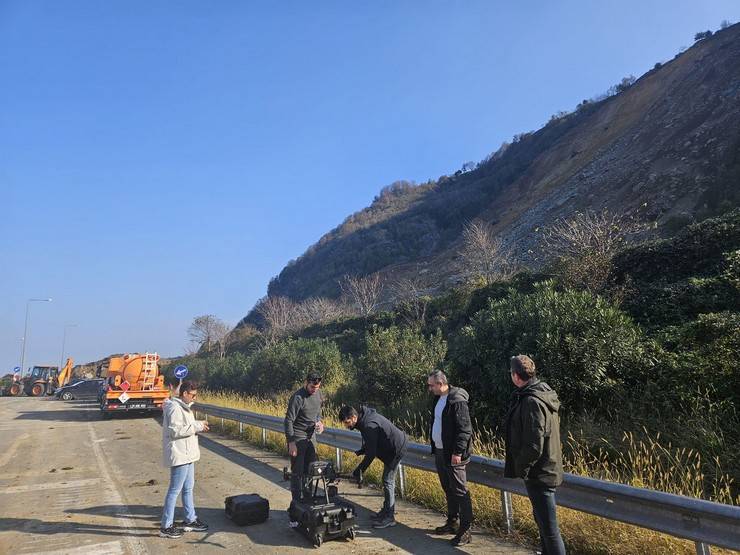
(703,522)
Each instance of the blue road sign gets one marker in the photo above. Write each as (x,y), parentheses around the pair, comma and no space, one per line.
(16,369)
(181,371)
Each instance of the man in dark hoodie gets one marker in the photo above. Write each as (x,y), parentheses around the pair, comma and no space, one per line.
(381,439)
(533,450)
(451,435)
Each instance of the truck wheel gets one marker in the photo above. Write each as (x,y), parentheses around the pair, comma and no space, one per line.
(37,389)
(15,390)
(67,396)
(351,534)
(318,539)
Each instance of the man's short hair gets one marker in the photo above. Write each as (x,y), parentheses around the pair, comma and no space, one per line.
(438,376)
(187,386)
(347,412)
(313,377)
(523,366)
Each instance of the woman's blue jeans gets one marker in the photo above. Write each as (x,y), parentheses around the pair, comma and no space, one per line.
(182,479)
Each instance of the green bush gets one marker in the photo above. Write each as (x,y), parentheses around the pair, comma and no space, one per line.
(284,366)
(707,351)
(585,348)
(396,363)
(230,373)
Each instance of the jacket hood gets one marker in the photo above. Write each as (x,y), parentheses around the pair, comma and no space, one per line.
(183,404)
(543,392)
(363,415)
(457,395)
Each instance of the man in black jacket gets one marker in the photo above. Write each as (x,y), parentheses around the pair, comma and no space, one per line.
(381,439)
(451,435)
(533,450)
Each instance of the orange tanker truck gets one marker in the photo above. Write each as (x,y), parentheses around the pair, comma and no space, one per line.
(133,384)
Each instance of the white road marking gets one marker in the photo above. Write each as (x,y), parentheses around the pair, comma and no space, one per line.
(52,485)
(134,545)
(107,548)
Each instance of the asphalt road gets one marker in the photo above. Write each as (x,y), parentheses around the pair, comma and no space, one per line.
(72,483)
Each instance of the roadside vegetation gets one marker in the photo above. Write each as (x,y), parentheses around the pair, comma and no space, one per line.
(642,462)
(642,350)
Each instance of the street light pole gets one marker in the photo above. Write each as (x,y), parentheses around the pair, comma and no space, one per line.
(64,341)
(25,329)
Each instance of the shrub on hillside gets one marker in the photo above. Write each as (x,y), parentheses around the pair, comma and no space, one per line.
(584,347)
(230,373)
(284,365)
(708,350)
(396,363)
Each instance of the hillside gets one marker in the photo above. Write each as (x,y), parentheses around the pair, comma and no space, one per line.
(668,146)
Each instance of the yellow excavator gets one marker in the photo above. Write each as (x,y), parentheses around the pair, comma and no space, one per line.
(42,380)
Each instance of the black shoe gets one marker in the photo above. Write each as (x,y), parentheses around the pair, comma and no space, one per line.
(461,538)
(195,526)
(170,532)
(386,522)
(380,515)
(449,527)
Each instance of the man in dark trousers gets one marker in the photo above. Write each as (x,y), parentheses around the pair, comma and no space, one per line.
(451,434)
(381,439)
(533,450)
(302,423)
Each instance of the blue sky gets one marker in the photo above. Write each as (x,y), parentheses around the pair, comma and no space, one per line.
(161,160)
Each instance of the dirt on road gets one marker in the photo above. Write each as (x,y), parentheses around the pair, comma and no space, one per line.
(72,483)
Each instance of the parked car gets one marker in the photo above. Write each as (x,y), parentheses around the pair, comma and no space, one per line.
(84,389)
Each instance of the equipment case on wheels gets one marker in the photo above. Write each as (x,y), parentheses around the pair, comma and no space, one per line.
(319,517)
(248,508)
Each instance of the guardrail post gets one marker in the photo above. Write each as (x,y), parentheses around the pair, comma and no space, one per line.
(401,481)
(264,437)
(508,511)
(339,459)
(241,429)
(703,549)
(222,424)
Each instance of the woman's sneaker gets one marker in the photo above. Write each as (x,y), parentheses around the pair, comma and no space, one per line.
(170,532)
(195,526)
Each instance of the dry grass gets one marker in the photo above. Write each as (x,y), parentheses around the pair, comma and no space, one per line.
(642,462)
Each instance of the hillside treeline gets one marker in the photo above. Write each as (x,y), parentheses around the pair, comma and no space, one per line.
(652,350)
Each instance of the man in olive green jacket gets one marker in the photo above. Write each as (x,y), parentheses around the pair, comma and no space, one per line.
(533,450)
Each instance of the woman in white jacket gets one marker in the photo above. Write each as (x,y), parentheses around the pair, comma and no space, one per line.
(180,450)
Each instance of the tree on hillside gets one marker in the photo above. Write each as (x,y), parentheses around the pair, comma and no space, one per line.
(208,332)
(702,35)
(245,338)
(622,86)
(319,310)
(483,255)
(363,293)
(279,314)
(583,246)
(413,300)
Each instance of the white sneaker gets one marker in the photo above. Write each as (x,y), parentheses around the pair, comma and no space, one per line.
(293,524)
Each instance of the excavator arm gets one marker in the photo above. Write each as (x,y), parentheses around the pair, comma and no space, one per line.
(66,373)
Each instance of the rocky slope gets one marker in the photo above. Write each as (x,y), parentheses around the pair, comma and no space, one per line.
(667,147)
